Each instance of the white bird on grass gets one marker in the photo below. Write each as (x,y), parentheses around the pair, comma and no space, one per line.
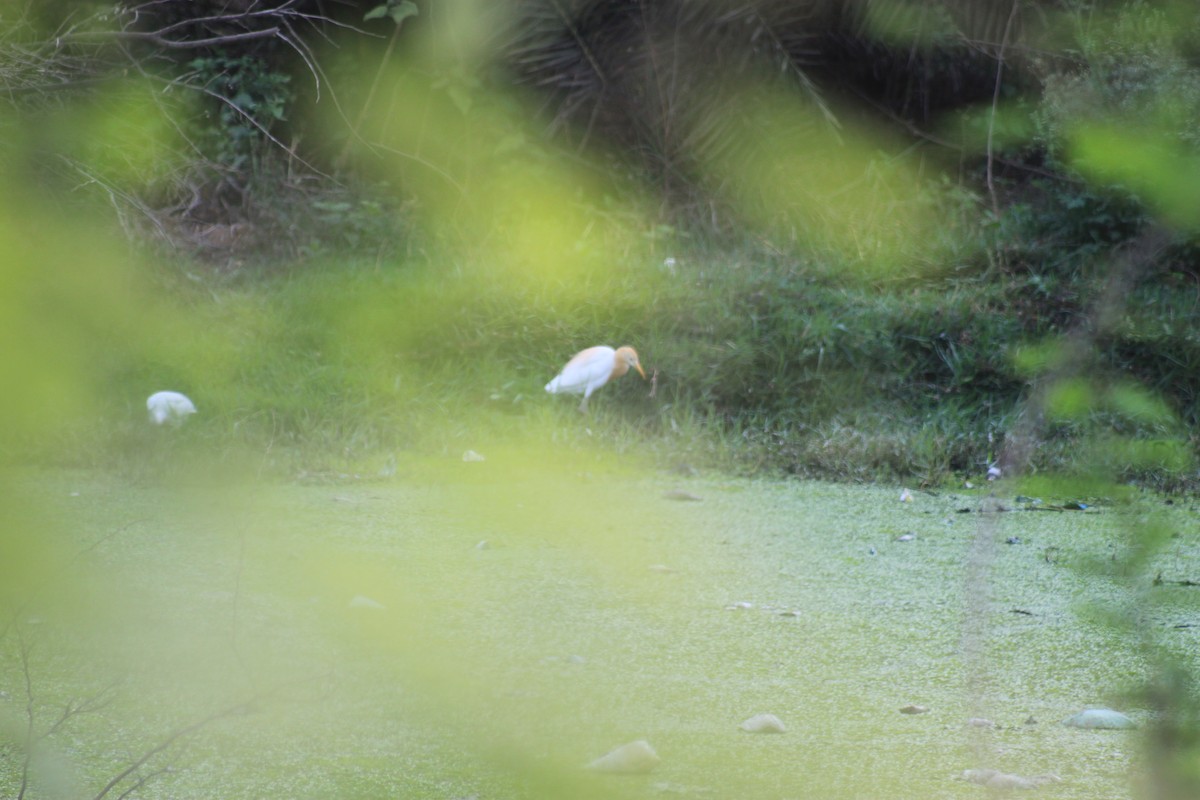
(170,407)
(590,369)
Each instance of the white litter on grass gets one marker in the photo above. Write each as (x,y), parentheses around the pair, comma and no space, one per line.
(170,407)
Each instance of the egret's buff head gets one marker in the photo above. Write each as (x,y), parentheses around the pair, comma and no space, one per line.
(629,357)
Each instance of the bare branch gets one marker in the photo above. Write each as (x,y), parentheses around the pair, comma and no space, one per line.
(991,185)
(191,44)
(21,607)
(142,781)
(29,715)
(240,708)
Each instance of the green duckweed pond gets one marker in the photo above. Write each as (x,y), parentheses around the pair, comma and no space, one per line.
(486,629)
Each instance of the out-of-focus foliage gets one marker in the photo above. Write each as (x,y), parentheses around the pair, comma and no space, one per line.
(857,240)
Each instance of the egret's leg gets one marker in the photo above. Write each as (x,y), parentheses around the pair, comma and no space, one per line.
(583,405)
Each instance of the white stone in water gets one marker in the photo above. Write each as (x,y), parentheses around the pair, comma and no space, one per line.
(763,723)
(1099,718)
(633,758)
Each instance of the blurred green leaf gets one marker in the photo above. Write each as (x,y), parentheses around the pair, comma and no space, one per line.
(398,10)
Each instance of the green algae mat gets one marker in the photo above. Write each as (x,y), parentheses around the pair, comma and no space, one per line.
(490,628)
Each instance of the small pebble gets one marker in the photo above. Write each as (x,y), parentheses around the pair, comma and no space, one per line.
(913,709)
(1099,719)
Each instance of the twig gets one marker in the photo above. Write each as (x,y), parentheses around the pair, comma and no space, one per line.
(142,781)
(991,185)
(29,715)
(192,44)
(240,708)
(20,609)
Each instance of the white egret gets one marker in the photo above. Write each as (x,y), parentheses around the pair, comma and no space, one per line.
(590,369)
(170,407)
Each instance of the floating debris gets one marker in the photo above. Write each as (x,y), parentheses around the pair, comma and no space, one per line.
(905,496)
(763,723)
(633,758)
(913,709)
(682,496)
(471,455)
(362,601)
(980,722)
(739,606)
(1100,719)
(995,779)
(906,537)
(663,568)
(484,544)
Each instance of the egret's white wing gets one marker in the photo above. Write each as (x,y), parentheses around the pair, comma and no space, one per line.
(586,372)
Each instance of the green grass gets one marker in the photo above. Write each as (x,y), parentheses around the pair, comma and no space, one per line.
(761,366)
(499,670)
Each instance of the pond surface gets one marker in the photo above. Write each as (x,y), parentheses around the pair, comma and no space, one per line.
(485,629)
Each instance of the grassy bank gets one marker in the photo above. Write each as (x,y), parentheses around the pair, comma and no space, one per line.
(761,365)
